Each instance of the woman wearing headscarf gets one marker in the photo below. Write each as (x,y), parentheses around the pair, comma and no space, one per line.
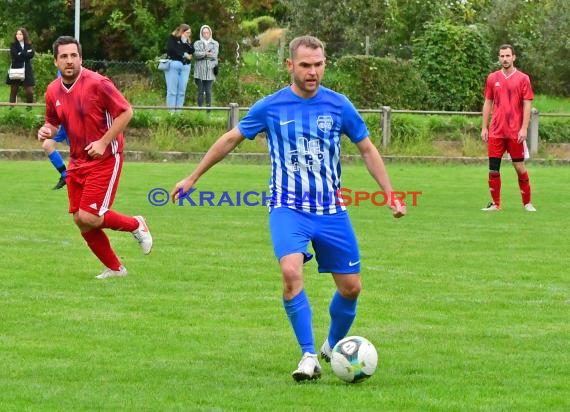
(21,54)
(205,59)
(179,49)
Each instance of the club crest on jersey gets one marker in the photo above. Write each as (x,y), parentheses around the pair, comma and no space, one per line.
(325,123)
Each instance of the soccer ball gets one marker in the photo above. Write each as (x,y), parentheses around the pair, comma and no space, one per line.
(354,359)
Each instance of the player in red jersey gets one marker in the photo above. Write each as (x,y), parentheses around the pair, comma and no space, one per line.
(94,114)
(508,95)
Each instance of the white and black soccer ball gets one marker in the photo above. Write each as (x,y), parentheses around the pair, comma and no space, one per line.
(354,359)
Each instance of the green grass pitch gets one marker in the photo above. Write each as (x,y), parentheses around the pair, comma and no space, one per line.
(468,311)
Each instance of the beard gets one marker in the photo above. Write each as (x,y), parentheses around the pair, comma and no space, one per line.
(69,74)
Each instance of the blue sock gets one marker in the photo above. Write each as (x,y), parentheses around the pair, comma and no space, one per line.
(343,312)
(299,313)
(57,162)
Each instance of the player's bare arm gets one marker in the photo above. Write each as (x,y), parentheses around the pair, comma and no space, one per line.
(487,106)
(220,149)
(97,149)
(527,107)
(47,131)
(376,168)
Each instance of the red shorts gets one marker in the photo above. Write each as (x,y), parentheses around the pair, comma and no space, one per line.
(499,145)
(92,187)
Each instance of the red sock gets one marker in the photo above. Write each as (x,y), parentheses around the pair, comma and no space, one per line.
(524,185)
(495,187)
(116,221)
(99,244)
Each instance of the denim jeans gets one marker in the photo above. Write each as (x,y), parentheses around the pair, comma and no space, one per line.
(176,82)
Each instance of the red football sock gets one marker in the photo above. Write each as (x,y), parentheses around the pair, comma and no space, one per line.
(524,185)
(495,187)
(116,221)
(99,244)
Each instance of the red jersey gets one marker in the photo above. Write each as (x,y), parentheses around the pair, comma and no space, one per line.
(507,94)
(86,110)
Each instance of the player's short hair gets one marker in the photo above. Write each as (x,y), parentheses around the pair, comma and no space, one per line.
(63,40)
(304,41)
(507,46)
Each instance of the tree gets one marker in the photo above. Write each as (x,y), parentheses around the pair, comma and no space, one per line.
(121,29)
(549,55)
(342,25)
(538,29)
(44,20)
(139,29)
(390,24)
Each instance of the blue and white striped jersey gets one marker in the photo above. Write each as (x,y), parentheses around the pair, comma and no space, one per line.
(303,138)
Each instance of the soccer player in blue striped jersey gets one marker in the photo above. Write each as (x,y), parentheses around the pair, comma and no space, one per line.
(304,123)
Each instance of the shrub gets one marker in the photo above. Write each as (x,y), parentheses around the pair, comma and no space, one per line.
(554,130)
(249,28)
(265,23)
(453,61)
(44,73)
(372,82)
(252,28)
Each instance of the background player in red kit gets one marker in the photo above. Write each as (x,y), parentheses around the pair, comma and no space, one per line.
(508,95)
(94,114)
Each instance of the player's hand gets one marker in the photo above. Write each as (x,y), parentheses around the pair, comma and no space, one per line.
(44,133)
(398,209)
(521,137)
(485,135)
(96,149)
(180,188)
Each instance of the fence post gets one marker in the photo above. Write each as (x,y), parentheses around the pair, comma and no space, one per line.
(532,133)
(280,55)
(386,119)
(233,116)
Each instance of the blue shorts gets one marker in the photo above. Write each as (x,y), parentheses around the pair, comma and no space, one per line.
(61,136)
(332,237)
